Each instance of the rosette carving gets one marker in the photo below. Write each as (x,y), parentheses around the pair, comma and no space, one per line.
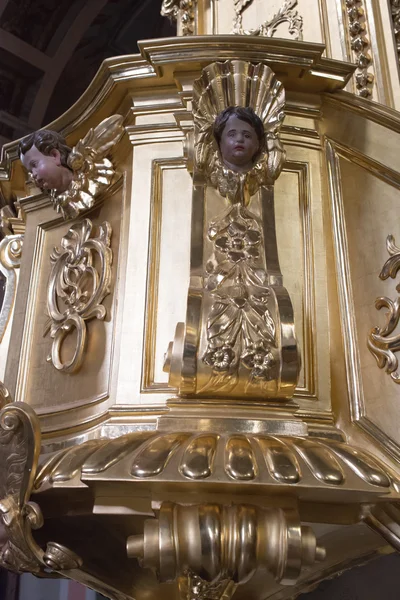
(381,341)
(78,284)
(240,328)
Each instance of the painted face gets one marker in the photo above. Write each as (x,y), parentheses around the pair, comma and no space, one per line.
(47,171)
(239,144)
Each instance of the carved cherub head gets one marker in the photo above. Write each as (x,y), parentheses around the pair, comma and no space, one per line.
(44,154)
(239,133)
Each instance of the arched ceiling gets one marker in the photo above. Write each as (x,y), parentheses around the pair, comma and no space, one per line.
(51,49)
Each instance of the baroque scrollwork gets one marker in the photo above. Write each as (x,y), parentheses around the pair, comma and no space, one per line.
(395,6)
(77,288)
(19,453)
(10,259)
(92,171)
(381,341)
(360,45)
(286,14)
(183,11)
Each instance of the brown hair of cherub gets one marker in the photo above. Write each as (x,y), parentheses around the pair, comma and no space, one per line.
(45,141)
(246,114)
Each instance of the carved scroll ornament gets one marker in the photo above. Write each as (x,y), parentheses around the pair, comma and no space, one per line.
(10,259)
(77,287)
(19,453)
(285,14)
(93,172)
(241,328)
(381,341)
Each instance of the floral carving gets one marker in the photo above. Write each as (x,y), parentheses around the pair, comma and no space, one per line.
(381,342)
(285,14)
(395,5)
(182,10)
(240,328)
(360,45)
(77,288)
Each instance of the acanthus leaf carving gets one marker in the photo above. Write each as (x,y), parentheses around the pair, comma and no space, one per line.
(19,453)
(77,288)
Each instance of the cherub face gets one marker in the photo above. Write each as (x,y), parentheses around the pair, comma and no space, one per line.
(46,170)
(239,144)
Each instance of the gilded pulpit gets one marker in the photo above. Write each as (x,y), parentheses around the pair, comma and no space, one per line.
(200,397)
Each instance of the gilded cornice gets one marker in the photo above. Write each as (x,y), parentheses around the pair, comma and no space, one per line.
(307,70)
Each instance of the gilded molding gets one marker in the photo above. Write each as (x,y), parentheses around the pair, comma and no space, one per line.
(395,10)
(182,11)
(10,259)
(360,46)
(77,287)
(286,14)
(381,343)
(93,172)
(262,460)
(233,541)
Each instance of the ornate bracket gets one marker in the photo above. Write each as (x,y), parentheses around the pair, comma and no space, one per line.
(19,453)
(10,259)
(285,14)
(230,543)
(381,342)
(77,287)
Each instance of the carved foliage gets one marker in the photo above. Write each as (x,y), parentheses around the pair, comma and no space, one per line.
(183,11)
(381,342)
(360,45)
(77,287)
(240,329)
(285,14)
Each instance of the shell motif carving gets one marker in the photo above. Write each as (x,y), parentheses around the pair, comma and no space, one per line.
(77,287)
